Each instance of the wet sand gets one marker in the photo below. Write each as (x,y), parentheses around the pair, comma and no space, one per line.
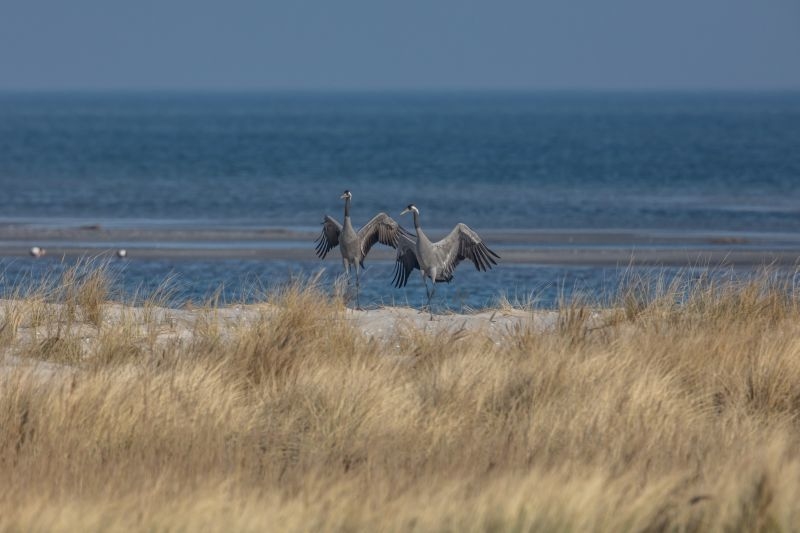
(555,247)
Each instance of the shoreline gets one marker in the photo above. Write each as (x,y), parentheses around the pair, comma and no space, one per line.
(598,247)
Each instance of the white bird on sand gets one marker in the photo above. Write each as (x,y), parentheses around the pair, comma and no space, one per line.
(36,251)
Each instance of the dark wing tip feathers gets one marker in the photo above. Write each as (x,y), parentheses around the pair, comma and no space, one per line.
(405,263)
(328,238)
(322,246)
(473,248)
(398,277)
(484,256)
(400,274)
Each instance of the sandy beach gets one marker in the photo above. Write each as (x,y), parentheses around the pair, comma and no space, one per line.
(385,325)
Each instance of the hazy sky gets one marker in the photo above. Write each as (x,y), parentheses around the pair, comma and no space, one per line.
(400,44)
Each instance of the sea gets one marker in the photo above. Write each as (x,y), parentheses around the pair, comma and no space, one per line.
(683,162)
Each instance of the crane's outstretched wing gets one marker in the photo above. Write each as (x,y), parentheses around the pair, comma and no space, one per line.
(329,237)
(406,260)
(463,243)
(383,229)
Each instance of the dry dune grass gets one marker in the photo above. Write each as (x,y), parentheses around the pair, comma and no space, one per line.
(674,409)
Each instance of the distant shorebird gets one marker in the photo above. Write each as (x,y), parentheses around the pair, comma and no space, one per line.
(356,245)
(37,252)
(438,260)
(122,253)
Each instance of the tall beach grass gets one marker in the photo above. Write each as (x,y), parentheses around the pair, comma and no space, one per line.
(672,408)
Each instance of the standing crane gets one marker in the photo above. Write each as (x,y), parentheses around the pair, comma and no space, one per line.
(438,260)
(355,245)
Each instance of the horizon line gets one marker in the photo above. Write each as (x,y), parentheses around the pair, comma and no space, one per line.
(210,91)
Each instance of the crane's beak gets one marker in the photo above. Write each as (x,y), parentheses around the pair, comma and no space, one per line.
(342,197)
(406,210)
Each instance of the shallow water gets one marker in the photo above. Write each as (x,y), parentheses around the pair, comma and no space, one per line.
(245,281)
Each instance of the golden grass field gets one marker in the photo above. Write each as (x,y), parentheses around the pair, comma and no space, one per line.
(674,408)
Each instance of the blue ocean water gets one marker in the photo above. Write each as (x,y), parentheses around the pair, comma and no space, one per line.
(234,281)
(686,161)
(617,160)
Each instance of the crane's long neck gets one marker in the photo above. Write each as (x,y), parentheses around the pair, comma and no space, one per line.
(348,228)
(416,219)
(346,208)
(420,235)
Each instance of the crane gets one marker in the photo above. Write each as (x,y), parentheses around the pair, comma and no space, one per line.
(438,260)
(355,245)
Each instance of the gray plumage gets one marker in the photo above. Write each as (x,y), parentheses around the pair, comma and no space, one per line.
(438,260)
(355,245)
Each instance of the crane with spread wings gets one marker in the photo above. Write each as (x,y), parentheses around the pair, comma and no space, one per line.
(355,245)
(438,260)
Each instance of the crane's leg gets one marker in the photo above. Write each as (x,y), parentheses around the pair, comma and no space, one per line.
(433,290)
(358,285)
(347,276)
(427,293)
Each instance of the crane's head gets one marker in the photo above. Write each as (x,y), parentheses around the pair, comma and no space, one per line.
(410,209)
(346,195)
